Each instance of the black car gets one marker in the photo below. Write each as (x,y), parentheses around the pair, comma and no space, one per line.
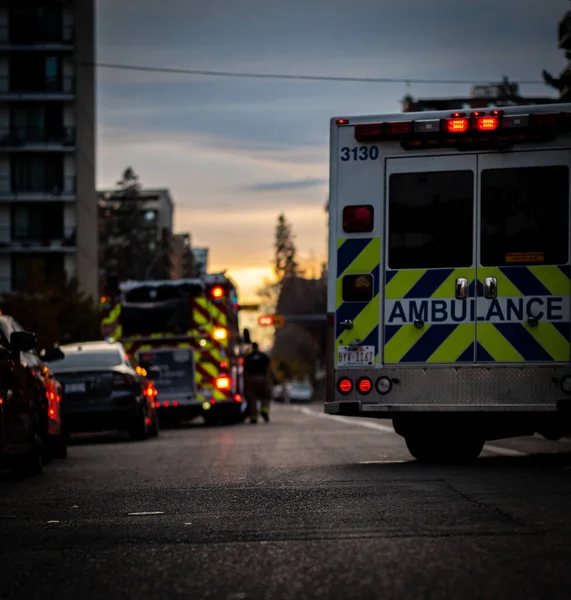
(22,407)
(103,391)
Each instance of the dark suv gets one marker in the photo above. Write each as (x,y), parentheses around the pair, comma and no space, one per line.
(102,391)
(21,404)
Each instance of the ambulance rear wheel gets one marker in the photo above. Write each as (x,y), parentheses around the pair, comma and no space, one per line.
(427,449)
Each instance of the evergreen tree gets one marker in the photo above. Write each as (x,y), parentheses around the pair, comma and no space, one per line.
(285,251)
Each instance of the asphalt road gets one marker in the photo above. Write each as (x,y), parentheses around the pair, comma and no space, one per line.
(308,506)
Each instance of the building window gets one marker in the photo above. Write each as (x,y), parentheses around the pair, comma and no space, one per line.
(37,173)
(39,223)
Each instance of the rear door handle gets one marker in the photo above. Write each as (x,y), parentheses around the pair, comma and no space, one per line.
(461,288)
(490,287)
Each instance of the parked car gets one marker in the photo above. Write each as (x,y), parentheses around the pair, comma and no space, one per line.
(21,405)
(293,391)
(103,390)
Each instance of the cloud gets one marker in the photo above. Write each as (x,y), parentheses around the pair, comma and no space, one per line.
(276,186)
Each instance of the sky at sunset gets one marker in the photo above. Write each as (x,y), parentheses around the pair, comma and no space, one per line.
(237,152)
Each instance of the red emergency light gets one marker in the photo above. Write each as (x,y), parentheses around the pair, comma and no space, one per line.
(223,382)
(218,292)
(485,128)
(266,320)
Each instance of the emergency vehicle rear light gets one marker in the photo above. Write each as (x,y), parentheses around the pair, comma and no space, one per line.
(224,364)
(544,120)
(358,219)
(458,115)
(237,397)
(220,333)
(457,125)
(369,133)
(399,128)
(515,121)
(223,382)
(342,121)
(427,126)
(217,292)
(486,123)
(364,385)
(384,385)
(345,385)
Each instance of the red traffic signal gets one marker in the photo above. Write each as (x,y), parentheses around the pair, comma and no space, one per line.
(275,320)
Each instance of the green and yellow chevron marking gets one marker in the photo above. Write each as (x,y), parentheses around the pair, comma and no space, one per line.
(357,256)
(517,341)
(434,342)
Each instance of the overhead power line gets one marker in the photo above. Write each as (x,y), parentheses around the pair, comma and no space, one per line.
(339,78)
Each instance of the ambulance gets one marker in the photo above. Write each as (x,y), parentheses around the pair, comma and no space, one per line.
(449,275)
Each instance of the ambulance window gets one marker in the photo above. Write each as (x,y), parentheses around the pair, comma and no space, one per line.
(525,216)
(431,220)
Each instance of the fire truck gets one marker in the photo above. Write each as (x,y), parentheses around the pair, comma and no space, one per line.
(449,275)
(187,329)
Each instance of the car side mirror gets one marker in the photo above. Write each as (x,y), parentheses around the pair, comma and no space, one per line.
(52,354)
(22,341)
(154,373)
(247,338)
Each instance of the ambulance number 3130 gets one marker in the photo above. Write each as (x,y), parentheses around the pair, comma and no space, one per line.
(360,153)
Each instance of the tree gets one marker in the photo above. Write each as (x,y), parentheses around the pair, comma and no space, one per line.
(285,251)
(56,310)
(128,247)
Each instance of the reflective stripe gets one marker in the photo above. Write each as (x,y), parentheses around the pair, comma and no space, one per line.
(358,256)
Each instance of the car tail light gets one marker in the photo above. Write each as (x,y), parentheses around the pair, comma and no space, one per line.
(223,382)
(358,219)
(345,385)
(175,403)
(364,385)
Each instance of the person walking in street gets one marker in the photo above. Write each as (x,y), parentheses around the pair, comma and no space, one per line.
(257,372)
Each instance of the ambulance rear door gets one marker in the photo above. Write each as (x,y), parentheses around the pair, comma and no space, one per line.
(523,308)
(430,260)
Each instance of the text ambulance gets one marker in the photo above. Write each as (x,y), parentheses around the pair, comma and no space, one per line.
(449,280)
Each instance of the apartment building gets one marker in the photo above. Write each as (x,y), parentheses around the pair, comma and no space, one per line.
(48,208)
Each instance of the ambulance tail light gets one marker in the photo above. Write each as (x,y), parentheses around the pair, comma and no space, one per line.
(486,123)
(345,385)
(364,385)
(383,131)
(358,219)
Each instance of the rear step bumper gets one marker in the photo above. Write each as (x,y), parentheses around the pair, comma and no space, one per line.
(455,389)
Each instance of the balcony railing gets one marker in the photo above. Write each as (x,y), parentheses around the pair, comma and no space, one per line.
(42,186)
(36,34)
(64,85)
(20,136)
(14,239)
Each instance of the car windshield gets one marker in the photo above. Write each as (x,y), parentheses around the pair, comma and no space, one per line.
(89,359)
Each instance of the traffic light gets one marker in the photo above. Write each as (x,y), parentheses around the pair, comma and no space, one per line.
(275,320)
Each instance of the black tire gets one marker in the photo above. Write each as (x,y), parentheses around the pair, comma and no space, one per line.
(138,430)
(444,450)
(29,464)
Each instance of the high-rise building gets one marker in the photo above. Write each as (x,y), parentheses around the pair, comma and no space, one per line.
(48,208)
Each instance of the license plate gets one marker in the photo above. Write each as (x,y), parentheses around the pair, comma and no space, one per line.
(75,388)
(359,356)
